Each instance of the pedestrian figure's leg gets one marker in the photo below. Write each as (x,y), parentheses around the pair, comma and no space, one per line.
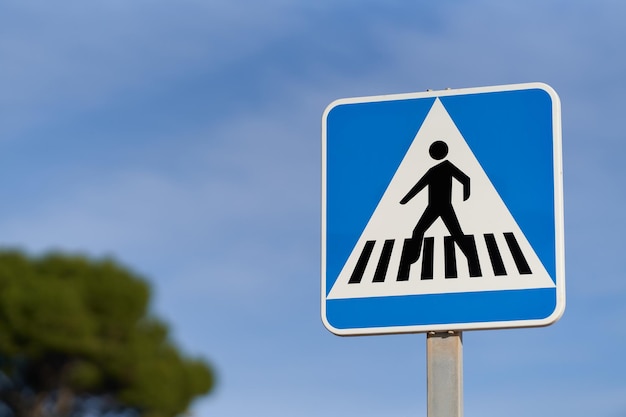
(413,246)
(465,242)
(409,250)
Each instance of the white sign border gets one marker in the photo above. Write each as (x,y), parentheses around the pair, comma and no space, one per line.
(558,214)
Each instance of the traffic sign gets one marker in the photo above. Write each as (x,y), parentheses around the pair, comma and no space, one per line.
(442,210)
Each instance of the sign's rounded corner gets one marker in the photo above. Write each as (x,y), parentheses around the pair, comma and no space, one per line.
(548,89)
(332,106)
(558,312)
(334,330)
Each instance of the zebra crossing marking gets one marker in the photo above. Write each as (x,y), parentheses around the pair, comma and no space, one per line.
(449,259)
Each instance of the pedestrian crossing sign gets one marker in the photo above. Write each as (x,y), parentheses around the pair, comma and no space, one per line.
(442,210)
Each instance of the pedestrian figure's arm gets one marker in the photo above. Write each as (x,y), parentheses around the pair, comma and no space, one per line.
(463,179)
(423,182)
(466,189)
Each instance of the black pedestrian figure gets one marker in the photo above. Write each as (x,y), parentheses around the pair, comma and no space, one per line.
(439,182)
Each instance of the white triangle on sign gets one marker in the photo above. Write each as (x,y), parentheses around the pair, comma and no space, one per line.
(483,216)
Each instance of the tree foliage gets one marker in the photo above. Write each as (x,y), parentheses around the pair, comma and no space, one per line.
(76,335)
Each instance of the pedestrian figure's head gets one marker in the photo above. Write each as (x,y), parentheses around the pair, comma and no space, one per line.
(438,150)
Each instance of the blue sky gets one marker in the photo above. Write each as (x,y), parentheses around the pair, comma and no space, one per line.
(183,138)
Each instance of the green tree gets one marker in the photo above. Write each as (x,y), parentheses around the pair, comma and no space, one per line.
(77,336)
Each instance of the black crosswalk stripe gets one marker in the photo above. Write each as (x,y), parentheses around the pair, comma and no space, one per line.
(383,263)
(428,259)
(494,255)
(518,256)
(467,249)
(361,264)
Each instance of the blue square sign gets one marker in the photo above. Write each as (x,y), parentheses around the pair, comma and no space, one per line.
(442,210)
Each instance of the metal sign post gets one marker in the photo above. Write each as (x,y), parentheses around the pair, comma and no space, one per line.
(444,362)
